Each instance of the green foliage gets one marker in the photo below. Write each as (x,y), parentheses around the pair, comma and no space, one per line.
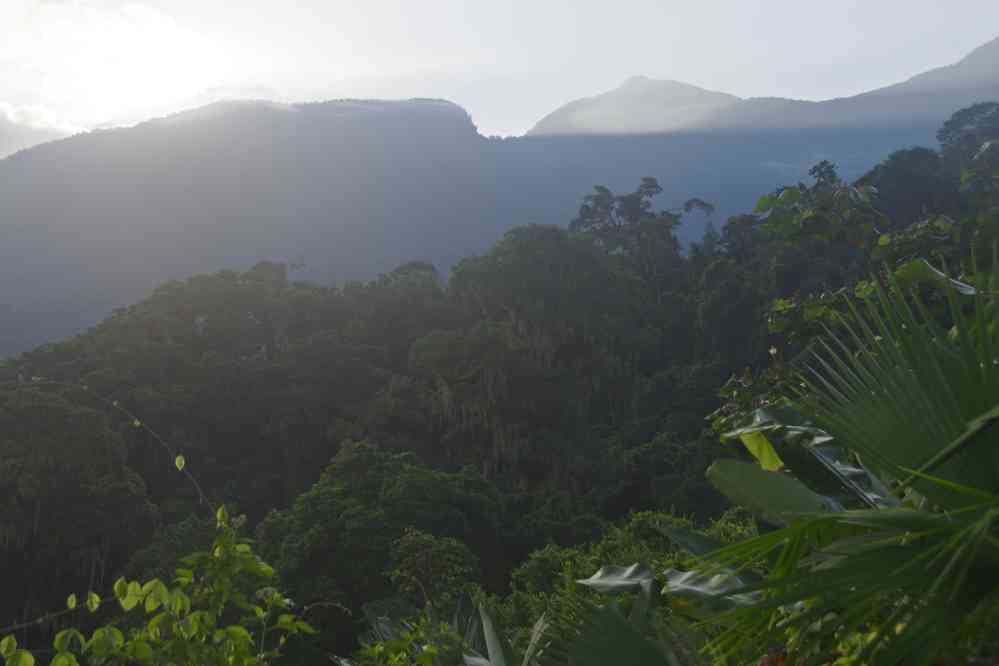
(507,413)
(222,609)
(913,185)
(908,386)
(432,571)
(356,514)
(775,497)
(962,136)
(915,400)
(63,509)
(421,643)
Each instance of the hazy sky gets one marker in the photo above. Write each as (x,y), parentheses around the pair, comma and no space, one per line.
(86,63)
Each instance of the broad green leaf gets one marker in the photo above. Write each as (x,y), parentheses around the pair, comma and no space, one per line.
(238,634)
(93,602)
(64,659)
(179,462)
(772,496)
(106,639)
(63,641)
(305,627)
(141,651)
(607,637)
(157,620)
(180,603)
(7,646)
(20,658)
(884,240)
(753,438)
(761,449)
(71,602)
(152,603)
(120,588)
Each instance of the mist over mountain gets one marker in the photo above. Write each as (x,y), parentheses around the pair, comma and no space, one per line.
(349,189)
(639,105)
(16,136)
(643,105)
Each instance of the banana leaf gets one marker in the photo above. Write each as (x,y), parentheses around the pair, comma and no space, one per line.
(775,497)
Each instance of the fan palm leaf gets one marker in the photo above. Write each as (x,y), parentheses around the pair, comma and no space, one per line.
(916,399)
(902,387)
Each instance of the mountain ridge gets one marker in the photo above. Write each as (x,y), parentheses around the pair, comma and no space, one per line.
(353,188)
(964,82)
(16,136)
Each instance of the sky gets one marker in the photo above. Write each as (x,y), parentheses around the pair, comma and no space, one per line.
(81,64)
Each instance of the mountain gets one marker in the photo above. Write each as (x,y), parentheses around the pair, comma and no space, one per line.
(349,189)
(16,136)
(93,221)
(644,105)
(639,105)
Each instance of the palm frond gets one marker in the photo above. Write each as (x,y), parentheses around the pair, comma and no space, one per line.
(905,387)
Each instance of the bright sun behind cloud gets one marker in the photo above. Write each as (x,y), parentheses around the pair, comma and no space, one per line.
(89,65)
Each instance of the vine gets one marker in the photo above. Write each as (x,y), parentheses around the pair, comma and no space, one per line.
(204,618)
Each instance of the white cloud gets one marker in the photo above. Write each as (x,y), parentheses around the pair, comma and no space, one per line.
(37,117)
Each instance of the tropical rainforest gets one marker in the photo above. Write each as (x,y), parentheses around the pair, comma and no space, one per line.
(590,444)
(344,190)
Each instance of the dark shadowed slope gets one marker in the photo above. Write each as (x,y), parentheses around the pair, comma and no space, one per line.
(94,221)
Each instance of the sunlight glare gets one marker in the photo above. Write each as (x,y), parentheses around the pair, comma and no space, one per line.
(116,65)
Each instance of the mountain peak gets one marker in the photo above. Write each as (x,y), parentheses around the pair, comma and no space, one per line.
(646,84)
(643,105)
(640,105)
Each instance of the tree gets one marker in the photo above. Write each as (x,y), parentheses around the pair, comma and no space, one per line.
(963,134)
(71,507)
(335,543)
(626,225)
(912,185)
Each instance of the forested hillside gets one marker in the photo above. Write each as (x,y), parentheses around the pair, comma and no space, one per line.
(346,190)
(404,445)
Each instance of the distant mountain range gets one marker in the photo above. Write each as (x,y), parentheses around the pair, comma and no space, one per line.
(643,105)
(353,188)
